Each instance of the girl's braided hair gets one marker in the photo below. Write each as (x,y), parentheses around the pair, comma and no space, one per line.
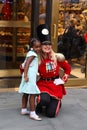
(32,42)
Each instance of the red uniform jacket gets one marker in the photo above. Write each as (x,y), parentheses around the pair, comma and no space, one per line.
(47,69)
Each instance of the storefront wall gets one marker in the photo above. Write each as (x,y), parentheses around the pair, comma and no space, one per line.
(18,22)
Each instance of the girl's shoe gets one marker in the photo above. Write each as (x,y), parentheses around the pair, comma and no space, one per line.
(35,117)
(25,112)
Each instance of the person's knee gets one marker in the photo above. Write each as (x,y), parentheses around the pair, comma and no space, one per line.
(53,109)
(45,99)
(50,114)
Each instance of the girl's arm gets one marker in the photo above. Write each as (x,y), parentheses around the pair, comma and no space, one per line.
(28,61)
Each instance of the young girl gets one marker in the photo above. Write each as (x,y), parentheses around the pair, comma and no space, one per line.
(28,83)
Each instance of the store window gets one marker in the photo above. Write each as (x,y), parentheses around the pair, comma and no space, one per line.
(24,10)
(72,34)
(42,11)
(6,9)
(15,31)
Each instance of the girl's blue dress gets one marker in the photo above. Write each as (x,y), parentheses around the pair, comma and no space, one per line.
(30,87)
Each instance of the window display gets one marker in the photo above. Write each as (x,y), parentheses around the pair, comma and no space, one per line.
(23,38)
(42,11)
(72,21)
(24,10)
(15,31)
(71,11)
(6,46)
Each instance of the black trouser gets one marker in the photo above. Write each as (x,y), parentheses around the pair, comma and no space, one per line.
(52,105)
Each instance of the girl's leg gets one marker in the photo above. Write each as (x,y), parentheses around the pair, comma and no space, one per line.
(32,102)
(33,114)
(24,110)
(24,100)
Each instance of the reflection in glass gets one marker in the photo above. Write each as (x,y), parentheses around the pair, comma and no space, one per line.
(42,11)
(24,10)
(23,38)
(6,47)
(72,35)
(6,10)
(13,40)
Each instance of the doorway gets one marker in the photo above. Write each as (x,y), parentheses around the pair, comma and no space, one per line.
(63,13)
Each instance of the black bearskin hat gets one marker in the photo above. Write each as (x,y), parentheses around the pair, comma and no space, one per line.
(43,32)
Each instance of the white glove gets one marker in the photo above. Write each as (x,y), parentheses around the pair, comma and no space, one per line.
(58,81)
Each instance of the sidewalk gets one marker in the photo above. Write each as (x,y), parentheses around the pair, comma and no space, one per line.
(72,116)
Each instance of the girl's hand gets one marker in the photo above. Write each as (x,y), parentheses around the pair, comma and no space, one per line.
(26,78)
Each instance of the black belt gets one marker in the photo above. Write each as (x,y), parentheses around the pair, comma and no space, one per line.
(49,79)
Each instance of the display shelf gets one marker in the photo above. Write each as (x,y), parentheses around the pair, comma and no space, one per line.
(70,9)
(68,12)
(15,34)
(17,39)
(5,54)
(23,37)
(6,44)
(21,55)
(17,24)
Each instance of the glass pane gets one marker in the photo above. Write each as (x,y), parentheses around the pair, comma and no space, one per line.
(72,34)
(6,9)
(23,37)
(15,9)
(42,11)
(6,47)
(24,10)
(15,39)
